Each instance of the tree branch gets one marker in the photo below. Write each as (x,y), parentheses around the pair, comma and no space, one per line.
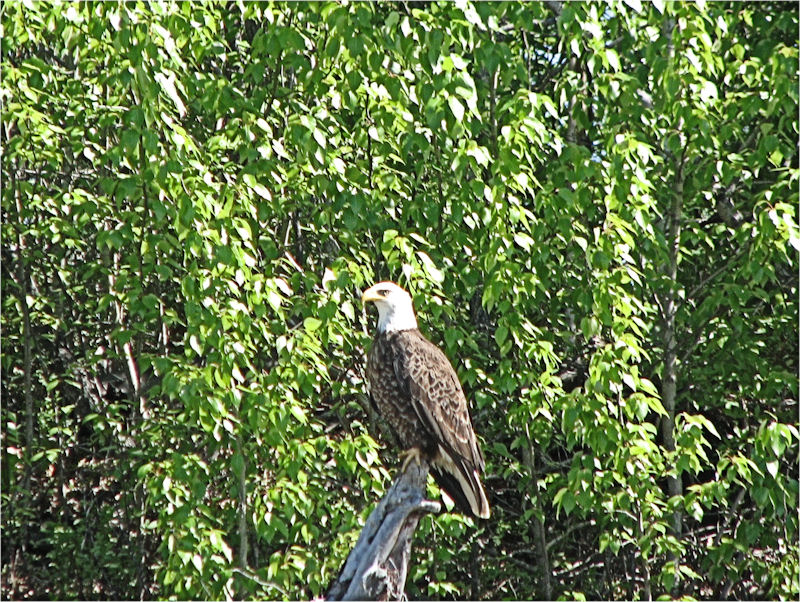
(377,566)
(555,6)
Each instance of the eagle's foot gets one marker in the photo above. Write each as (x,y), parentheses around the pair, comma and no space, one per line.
(414,454)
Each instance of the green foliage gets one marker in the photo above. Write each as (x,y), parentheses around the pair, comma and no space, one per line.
(590,203)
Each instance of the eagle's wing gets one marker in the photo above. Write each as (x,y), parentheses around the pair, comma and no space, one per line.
(431,384)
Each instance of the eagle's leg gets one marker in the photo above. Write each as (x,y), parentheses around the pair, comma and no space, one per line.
(414,454)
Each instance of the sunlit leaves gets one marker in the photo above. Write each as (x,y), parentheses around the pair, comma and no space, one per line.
(210,188)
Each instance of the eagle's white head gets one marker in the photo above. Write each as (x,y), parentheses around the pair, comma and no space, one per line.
(395,309)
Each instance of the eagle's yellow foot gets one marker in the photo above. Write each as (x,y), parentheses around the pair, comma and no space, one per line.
(414,454)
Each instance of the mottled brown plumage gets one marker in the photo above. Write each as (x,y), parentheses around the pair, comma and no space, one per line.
(417,391)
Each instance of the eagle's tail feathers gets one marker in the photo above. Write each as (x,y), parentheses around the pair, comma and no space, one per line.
(462,483)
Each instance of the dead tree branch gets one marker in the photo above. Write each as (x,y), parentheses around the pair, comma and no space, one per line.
(377,566)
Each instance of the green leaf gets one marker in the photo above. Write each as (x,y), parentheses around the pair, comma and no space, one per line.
(636,5)
(262,191)
(456,107)
(311,324)
(772,468)
(299,414)
(523,240)
(500,335)
(167,83)
(194,343)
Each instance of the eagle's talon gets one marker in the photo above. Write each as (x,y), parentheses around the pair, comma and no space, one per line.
(410,455)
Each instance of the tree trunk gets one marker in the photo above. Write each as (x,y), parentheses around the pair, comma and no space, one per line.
(670,377)
(669,385)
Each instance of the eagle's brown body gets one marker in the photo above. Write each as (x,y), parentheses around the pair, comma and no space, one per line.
(417,391)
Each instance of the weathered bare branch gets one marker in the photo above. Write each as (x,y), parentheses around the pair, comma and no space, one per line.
(377,566)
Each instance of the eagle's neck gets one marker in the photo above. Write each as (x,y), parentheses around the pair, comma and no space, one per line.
(393,319)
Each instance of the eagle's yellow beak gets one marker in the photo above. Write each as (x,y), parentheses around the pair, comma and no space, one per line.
(371,294)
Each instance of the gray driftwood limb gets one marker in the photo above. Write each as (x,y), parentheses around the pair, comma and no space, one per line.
(377,566)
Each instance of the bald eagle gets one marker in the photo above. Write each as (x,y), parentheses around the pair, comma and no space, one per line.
(416,390)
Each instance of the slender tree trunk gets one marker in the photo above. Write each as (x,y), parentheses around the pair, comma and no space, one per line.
(244,541)
(669,307)
(493,105)
(539,535)
(27,367)
(670,377)
(669,342)
(22,281)
(647,591)
(242,477)
(571,123)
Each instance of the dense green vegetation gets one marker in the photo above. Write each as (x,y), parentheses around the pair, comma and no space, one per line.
(593,205)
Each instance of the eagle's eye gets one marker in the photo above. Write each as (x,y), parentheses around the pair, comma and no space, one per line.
(384,292)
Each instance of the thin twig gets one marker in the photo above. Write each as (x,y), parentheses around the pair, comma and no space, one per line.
(253,577)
